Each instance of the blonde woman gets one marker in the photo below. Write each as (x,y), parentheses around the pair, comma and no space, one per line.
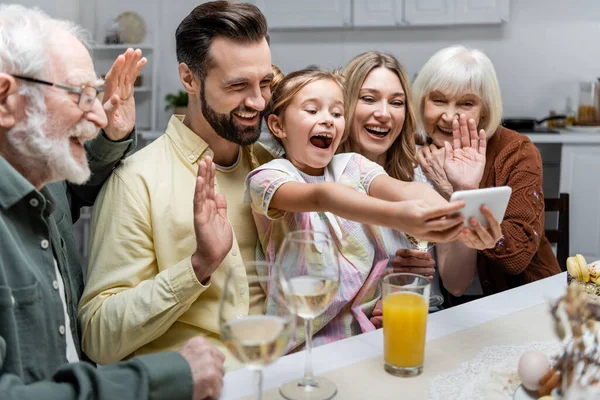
(381,126)
(459,108)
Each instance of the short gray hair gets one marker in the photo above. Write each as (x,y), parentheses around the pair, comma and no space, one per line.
(455,70)
(26,34)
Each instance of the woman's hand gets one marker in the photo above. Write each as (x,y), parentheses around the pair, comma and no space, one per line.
(414,262)
(464,160)
(431,158)
(481,238)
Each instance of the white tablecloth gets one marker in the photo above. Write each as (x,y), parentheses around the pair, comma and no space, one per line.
(346,352)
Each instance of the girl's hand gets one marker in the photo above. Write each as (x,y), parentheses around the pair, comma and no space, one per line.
(464,160)
(440,223)
(377,318)
(481,238)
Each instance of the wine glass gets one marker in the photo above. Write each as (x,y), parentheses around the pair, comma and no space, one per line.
(308,259)
(435,300)
(256,340)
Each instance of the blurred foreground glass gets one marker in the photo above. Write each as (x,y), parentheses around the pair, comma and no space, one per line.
(405,308)
(435,300)
(256,340)
(309,261)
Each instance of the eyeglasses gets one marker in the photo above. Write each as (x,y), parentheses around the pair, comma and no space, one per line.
(87,94)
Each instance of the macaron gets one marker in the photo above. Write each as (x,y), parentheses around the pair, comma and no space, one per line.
(577,267)
(594,270)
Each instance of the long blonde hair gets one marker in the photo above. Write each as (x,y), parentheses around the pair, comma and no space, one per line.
(402,155)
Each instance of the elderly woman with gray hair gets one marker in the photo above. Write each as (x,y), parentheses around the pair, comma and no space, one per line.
(458,111)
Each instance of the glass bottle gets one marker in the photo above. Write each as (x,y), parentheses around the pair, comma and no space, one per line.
(586,113)
(570,112)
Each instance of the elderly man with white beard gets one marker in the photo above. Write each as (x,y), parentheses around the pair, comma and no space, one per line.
(50,115)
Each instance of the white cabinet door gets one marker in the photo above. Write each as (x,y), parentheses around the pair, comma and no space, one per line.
(430,12)
(455,12)
(481,11)
(579,167)
(366,13)
(306,13)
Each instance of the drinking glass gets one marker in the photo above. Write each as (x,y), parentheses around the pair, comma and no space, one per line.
(405,309)
(309,262)
(435,300)
(256,340)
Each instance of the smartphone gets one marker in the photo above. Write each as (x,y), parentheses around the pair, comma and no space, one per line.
(495,198)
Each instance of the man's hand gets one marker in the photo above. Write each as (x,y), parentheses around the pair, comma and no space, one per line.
(377,318)
(119,103)
(206,363)
(214,236)
(432,223)
(414,262)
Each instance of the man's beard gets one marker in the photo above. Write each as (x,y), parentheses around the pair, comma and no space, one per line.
(35,151)
(225,125)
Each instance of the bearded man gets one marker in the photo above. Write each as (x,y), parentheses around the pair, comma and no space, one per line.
(155,279)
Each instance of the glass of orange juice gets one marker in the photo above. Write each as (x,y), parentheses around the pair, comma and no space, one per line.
(405,307)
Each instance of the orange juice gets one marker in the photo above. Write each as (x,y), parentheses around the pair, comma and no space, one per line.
(404,328)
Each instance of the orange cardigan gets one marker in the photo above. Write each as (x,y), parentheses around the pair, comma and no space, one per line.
(523,254)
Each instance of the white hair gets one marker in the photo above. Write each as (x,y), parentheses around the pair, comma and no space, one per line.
(26,37)
(458,70)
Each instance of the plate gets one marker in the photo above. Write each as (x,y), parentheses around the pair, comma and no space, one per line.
(523,394)
(583,129)
(133,29)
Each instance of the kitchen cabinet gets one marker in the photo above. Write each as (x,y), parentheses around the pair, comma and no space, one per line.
(454,12)
(579,168)
(378,13)
(481,11)
(429,12)
(292,14)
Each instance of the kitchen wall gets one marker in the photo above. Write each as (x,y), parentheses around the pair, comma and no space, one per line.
(541,54)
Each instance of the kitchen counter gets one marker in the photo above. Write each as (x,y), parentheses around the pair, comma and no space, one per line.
(565,137)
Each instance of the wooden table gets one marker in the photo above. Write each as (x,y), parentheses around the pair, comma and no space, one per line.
(518,316)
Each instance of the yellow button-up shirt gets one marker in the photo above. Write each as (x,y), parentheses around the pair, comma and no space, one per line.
(141,294)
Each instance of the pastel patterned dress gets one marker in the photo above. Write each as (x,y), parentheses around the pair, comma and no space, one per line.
(363,256)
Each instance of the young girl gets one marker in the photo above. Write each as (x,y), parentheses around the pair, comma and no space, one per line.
(346,195)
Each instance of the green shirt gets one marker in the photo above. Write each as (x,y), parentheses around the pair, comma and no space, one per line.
(36,227)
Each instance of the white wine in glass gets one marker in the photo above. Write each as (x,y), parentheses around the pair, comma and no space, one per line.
(257,340)
(311,295)
(309,262)
(435,300)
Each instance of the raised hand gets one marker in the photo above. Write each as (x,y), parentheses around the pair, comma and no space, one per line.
(465,158)
(432,223)
(214,236)
(431,158)
(119,103)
